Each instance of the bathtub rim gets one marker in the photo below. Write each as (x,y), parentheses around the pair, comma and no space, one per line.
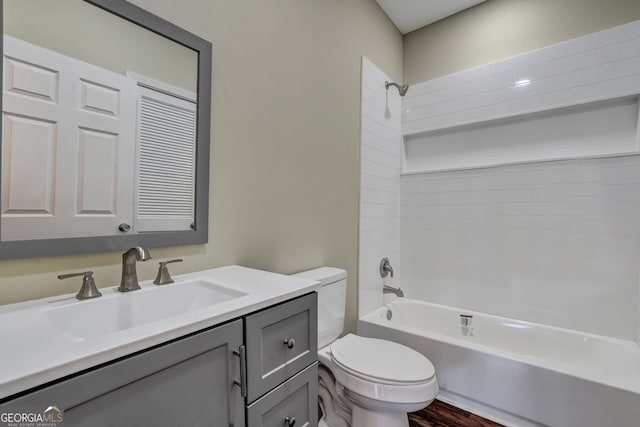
(377,317)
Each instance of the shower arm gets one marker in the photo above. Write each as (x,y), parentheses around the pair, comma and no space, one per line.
(401,89)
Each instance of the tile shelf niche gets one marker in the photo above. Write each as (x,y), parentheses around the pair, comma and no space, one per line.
(596,129)
(575,99)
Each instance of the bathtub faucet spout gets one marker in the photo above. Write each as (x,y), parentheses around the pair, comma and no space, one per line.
(386,289)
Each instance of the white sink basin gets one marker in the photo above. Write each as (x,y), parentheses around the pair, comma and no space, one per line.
(119,311)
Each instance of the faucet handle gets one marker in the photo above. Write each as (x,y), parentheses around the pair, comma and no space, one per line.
(385,268)
(88,289)
(163,277)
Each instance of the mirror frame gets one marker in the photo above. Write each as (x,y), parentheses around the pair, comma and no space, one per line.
(80,245)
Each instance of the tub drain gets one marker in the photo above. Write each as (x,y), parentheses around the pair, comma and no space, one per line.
(389,314)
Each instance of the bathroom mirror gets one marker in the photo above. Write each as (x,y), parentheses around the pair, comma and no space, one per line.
(105,129)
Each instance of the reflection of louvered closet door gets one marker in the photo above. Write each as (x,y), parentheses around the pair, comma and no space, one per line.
(68,146)
(165,173)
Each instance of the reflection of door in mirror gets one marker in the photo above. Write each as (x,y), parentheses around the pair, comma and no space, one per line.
(94,144)
(67,168)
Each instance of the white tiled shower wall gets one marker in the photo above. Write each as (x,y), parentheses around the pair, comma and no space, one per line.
(381,141)
(553,242)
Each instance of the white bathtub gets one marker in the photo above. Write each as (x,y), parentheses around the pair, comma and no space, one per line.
(518,373)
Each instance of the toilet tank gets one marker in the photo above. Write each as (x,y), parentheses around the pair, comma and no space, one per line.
(331,301)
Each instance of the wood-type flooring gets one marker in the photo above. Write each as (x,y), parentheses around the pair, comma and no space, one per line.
(440,414)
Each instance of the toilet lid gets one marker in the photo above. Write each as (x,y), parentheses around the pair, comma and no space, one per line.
(380,359)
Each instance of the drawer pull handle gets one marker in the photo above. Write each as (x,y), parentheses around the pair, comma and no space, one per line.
(290,421)
(290,343)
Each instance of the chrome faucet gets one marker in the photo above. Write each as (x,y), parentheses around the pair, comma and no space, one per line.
(386,289)
(385,267)
(129,280)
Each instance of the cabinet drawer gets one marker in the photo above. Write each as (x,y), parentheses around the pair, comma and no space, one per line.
(293,403)
(280,341)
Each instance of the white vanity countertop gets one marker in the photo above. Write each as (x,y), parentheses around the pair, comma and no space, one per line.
(35,350)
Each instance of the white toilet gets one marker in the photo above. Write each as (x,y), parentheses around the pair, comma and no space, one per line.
(377,381)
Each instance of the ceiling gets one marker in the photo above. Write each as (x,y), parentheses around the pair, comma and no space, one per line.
(409,15)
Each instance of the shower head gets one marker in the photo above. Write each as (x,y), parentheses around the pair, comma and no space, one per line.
(401,89)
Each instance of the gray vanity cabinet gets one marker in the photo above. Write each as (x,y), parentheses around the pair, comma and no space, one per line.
(196,380)
(282,368)
(188,382)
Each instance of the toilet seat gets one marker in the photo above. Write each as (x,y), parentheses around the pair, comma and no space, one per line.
(381,361)
(383,374)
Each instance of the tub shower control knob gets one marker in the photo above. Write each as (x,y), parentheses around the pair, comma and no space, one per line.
(290,343)
(385,268)
(290,421)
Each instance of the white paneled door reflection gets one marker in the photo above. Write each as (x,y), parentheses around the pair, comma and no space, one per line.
(68,146)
